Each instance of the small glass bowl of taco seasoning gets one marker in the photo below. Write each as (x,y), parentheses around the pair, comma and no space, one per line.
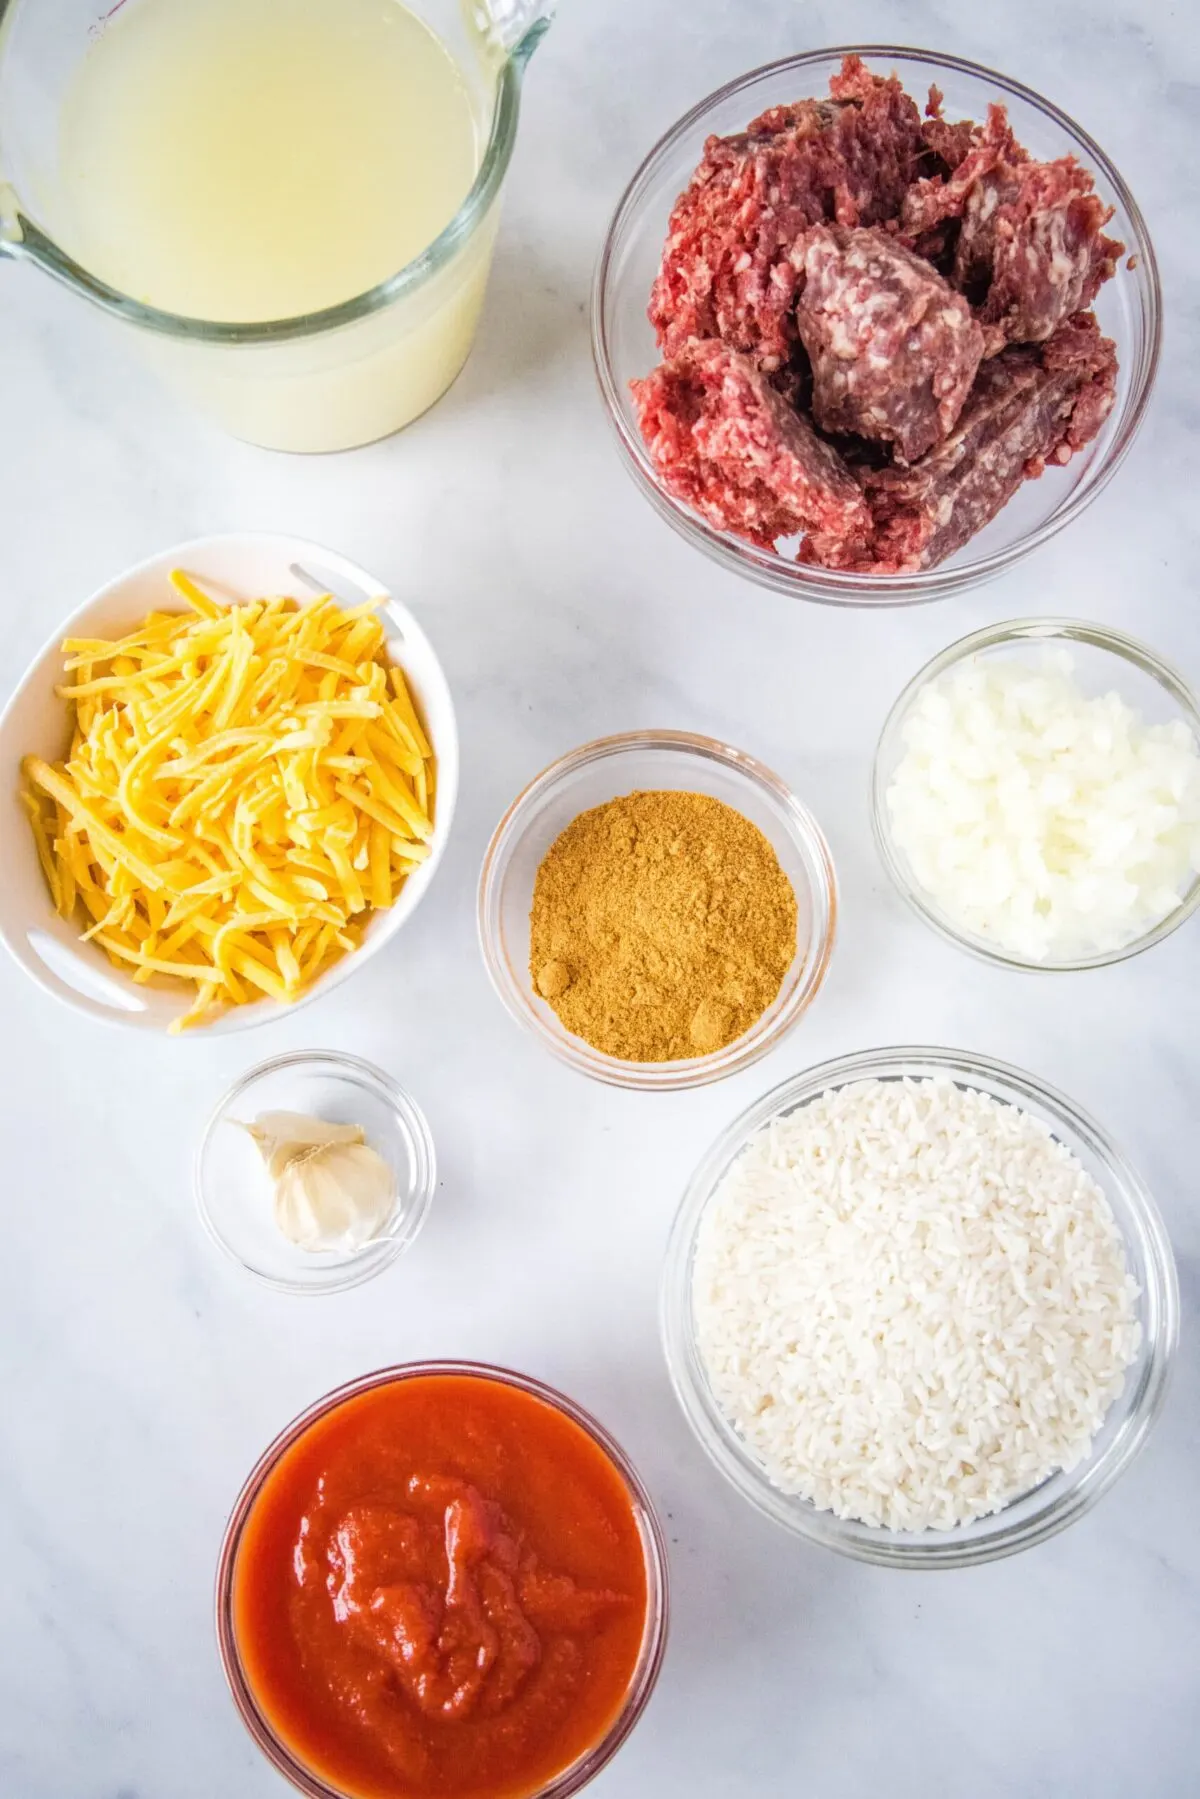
(676,797)
(441,1581)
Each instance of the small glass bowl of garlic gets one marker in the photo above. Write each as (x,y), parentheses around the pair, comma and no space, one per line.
(315,1171)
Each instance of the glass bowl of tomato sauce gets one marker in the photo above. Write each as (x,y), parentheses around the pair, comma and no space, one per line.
(442,1579)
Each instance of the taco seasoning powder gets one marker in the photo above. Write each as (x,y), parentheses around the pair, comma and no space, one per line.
(662,926)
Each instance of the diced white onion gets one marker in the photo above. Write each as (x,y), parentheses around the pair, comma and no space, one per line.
(1051,823)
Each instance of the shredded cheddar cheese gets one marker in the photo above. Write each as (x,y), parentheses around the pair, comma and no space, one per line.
(244,785)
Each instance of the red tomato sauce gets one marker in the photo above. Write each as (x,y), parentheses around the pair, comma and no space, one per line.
(440,1592)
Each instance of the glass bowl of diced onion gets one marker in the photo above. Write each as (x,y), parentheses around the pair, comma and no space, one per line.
(1056,1502)
(948,881)
(1129,309)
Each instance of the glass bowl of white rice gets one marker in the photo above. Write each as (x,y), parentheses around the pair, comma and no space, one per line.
(917,1307)
(1036,795)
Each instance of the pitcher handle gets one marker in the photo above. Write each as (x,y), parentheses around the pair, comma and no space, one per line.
(11,229)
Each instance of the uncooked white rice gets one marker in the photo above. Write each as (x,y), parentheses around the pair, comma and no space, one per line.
(912,1302)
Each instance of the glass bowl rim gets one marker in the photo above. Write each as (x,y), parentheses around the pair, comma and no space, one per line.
(654,1550)
(839,587)
(1089,1481)
(661,1077)
(35,247)
(374,1257)
(999,636)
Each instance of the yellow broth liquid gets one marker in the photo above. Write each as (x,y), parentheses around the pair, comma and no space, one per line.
(245,160)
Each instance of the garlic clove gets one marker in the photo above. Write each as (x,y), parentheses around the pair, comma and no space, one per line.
(336,1196)
(331,1190)
(283,1136)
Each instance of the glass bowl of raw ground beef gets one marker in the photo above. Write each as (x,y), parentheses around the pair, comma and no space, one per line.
(892,352)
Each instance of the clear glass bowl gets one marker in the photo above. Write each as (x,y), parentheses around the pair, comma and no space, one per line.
(654,1639)
(593,775)
(1105,662)
(1129,309)
(1058,1501)
(233,1193)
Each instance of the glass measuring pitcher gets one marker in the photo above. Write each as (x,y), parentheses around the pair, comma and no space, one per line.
(324,380)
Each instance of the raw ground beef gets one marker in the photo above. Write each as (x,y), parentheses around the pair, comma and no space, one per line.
(1030,248)
(1029,406)
(893,348)
(1078,349)
(1032,241)
(947,140)
(970,152)
(726,443)
(731,263)
(831,278)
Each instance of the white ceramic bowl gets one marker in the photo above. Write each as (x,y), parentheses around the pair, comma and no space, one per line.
(36,722)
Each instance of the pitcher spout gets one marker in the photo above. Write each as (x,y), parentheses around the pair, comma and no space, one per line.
(515,27)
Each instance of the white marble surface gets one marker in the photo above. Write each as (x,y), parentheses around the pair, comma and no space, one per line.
(140,1374)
